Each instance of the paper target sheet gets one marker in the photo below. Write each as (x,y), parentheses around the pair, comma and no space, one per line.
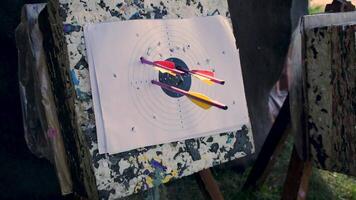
(138,104)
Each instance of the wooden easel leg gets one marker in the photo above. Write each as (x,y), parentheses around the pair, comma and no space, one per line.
(297,180)
(210,185)
(270,148)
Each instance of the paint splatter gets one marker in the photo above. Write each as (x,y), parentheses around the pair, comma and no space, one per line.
(158,165)
(52,133)
(149,51)
(74,77)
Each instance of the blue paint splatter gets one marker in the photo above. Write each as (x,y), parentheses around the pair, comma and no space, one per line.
(136,16)
(82,95)
(68,28)
(229,140)
(158,165)
(74,77)
(146,172)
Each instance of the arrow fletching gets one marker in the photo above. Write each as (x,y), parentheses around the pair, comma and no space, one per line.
(165,71)
(207,76)
(204,72)
(201,104)
(168,64)
(205,80)
(169,67)
(161,66)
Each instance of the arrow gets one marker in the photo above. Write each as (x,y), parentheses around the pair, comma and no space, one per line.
(170,68)
(163,66)
(197,98)
(204,75)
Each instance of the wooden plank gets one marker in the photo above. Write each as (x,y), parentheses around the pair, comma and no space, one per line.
(119,175)
(297,181)
(297,94)
(330,96)
(54,45)
(275,138)
(211,186)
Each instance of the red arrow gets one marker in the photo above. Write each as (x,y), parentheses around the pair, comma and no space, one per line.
(164,66)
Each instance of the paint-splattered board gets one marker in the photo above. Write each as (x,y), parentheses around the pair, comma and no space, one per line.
(111,176)
(330,65)
(323,103)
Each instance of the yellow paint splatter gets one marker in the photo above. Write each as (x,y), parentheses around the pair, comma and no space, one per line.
(174,173)
(138,187)
(149,181)
(142,158)
(167,178)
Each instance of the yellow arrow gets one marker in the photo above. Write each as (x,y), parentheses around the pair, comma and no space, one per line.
(197,98)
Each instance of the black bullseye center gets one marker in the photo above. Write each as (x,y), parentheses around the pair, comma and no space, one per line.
(183,82)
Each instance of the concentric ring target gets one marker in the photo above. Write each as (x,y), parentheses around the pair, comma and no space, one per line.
(183,82)
(152,103)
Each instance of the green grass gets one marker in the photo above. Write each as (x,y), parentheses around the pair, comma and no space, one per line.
(323,185)
(332,185)
(315,10)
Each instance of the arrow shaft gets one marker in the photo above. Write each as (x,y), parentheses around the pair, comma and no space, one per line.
(182,71)
(213,79)
(183,92)
(176,71)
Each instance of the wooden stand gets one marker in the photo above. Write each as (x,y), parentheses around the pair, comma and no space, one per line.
(297,181)
(270,149)
(208,185)
(299,171)
(265,160)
